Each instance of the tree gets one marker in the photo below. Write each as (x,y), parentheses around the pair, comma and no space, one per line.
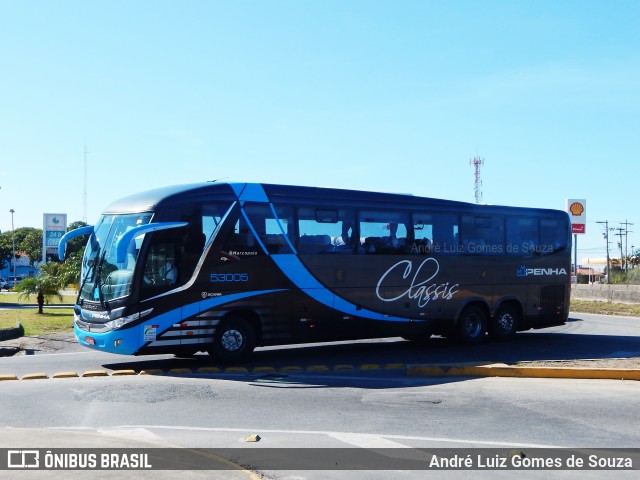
(5,249)
(30,243)
(76,244)
(72,267)
(44,286)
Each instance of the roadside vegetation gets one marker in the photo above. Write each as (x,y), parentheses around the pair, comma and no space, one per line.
(632,277)
(605,308)
(51,320)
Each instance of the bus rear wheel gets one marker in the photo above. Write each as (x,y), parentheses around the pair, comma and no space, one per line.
(505,323)
(235,339)
(472,325)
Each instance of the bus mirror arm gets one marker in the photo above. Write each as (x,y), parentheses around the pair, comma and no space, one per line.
(62,246)
(123,242)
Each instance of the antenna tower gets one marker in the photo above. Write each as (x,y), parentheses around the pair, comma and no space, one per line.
(477,162)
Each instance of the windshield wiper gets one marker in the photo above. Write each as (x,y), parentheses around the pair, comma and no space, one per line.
(98,283)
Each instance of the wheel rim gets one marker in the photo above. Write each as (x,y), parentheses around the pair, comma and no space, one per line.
(473,326)
(505,323)
(232,340)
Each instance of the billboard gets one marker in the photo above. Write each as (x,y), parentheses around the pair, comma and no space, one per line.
(54,227)
(577,209)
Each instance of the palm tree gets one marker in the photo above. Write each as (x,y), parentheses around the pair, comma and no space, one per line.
(44,286)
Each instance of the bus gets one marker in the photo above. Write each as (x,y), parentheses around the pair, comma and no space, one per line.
(226,267)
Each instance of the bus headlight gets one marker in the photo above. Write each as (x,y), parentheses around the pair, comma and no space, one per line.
(122,321)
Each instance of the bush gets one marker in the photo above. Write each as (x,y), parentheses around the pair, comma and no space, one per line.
(632,277)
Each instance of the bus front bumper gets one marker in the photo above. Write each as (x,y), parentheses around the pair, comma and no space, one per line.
(122,341)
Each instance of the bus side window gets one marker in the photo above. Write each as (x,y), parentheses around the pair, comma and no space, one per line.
(552,236)
(326,230)
(422,234)
(161,268)
(384,232)
(271,230)
(522,235)
(241,241)
(482,235)
(446,238)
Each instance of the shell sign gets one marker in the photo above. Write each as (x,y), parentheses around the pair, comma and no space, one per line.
(577,210)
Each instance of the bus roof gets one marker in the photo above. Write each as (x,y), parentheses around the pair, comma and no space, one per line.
(150,200)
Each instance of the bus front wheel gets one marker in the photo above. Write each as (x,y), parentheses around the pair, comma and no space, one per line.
(235,339)
(472,325)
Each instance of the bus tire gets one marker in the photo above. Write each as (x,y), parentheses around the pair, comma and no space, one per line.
(505,323)
(235,339)
(472,325)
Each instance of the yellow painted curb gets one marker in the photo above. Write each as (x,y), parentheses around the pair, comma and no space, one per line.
(369,366)
(95,373)
(291,368)
(8,377)
(523,372)
(152,371)
(180,371)
(264,370)
(395,366)
(35,376)
(343,367)
(65,375)
(317,368)
(122,373)
(208,370)
(236,370)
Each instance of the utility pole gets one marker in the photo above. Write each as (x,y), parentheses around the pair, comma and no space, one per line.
(606,237)
(477,162)
(620,234)
(626,243)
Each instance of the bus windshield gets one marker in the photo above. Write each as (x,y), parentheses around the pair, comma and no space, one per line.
(103,278)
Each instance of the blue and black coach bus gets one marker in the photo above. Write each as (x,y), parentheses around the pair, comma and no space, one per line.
(226,267)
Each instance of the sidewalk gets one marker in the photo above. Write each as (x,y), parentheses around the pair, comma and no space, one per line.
(27,345)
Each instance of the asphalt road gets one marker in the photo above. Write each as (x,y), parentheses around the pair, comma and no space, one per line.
(352,409)
(585,336)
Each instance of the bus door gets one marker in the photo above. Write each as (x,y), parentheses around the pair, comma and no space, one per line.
(327,249)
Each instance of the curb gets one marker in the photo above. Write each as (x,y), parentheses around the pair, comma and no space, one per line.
(503,370)
(11,333)
(453,370)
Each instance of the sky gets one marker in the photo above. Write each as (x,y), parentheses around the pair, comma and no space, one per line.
(378,95)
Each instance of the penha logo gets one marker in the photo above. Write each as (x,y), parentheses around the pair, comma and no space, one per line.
(523,271)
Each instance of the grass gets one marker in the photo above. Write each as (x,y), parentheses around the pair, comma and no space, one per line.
(605,308)
(52,320)
(12,297)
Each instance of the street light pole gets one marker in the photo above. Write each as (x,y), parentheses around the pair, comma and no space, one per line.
(13,241)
